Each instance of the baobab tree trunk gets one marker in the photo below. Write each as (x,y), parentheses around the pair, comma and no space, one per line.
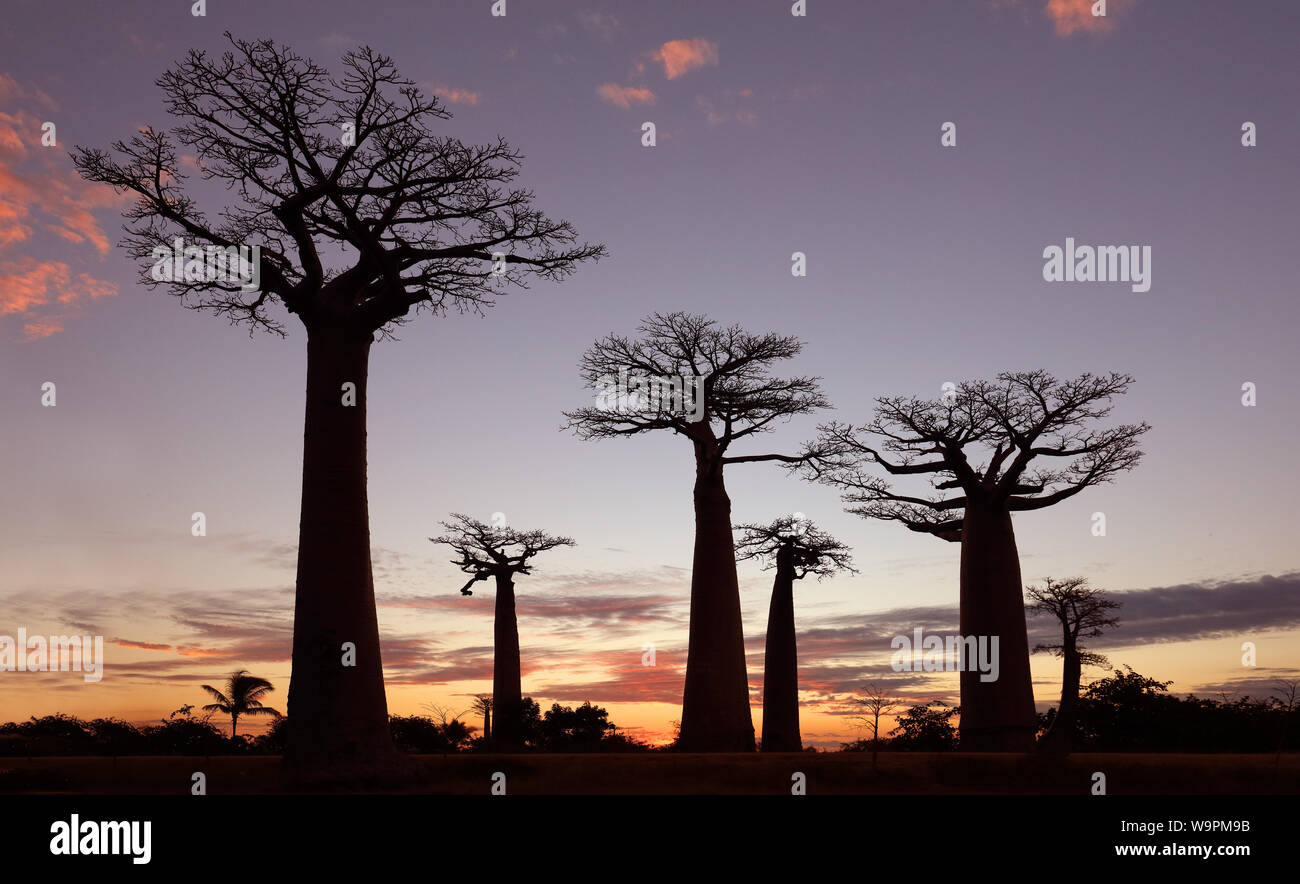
(338,714)
(507,695)
(1060,735)
(996,716)
(715,700)
(780,664)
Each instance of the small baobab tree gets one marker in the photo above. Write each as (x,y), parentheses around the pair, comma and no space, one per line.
(350,211)
(874,703)
(712,385)
(1082,611)
(795,548)
(990,449)
(243,696)
(483,705)
(499,552)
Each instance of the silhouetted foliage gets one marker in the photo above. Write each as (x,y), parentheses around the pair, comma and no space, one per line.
(1129,712)
(925,727)
(423,735)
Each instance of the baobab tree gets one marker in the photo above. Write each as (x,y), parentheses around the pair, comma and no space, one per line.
(354,213)
(985,441)
(498,552)
(795,547)
(1082,611)
(243,695)
(711,385)
(483,705)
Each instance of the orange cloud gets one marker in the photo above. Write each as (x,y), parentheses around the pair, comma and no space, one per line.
(624,96)
(1076,15)
(27,283)
(682,56)
(203,652)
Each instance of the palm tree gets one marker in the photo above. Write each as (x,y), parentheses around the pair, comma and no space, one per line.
(243,696)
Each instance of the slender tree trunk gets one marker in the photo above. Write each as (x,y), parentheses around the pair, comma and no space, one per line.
(1060,735)
(507,695)
(487,724)
(338,714)
(996,716)
(234,723)
(780,664)
(715,701)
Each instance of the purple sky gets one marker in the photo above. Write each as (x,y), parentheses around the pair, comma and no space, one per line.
(775,134)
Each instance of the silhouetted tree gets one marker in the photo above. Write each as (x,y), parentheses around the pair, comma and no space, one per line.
(875,703)
(483,706)
(1081,611)
(795,548)
(724,373)
(979,440)
(361,214)
(1127,712)
(925,727)
(243,696)
(500,553)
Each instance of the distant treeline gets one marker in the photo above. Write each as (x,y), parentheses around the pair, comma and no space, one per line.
(560,729)
(1127,712)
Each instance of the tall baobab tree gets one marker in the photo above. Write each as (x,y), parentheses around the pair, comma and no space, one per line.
(984,441)
(360,214)
(795,548)
(1082,611)
(711,385)
(498,552)
(243,696)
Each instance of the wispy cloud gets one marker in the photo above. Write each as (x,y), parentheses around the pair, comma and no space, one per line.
(624,96)
(455,96)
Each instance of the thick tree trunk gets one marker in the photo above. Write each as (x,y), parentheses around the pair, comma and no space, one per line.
(781,664)
(715,701)
(338,714)
(1060,735)
(507,695)
(996,716)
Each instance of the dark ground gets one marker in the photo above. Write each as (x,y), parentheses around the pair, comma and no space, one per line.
(685,774)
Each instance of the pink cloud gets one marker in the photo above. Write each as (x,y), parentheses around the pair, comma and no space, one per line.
(624,96)
(455,96)
(682,56)
(42,328)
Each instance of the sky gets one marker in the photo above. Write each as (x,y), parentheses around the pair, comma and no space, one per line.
(775,134)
